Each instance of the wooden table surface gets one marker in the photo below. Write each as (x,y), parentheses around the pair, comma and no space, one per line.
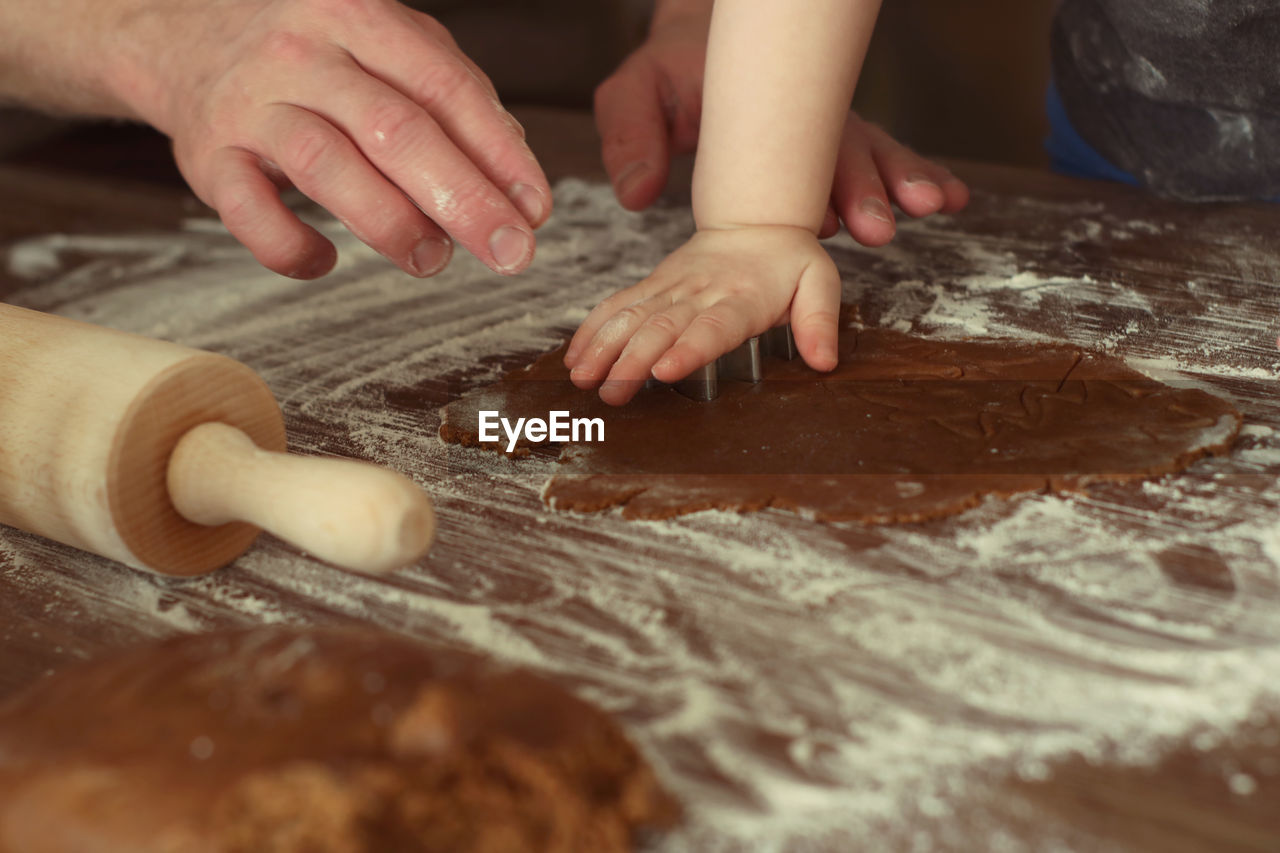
(1097,670)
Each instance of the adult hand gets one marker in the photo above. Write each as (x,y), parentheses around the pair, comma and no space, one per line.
(367,107)
(873,169)
(649,109)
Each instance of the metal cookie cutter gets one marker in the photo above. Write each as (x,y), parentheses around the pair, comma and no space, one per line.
(742,364)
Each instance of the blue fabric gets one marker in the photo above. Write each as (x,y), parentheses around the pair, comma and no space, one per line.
(1069,154)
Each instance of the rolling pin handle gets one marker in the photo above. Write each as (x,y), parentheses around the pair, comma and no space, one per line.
(352,514)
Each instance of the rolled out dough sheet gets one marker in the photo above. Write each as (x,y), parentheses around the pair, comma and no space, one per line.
(904,429)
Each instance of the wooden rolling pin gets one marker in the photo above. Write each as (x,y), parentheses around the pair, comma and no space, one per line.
(171,459)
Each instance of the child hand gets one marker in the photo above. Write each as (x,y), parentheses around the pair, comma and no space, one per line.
(707,297)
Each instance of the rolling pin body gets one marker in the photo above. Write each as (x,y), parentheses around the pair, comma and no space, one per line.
(90,418)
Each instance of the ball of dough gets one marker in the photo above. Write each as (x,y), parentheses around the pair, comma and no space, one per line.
(277,740)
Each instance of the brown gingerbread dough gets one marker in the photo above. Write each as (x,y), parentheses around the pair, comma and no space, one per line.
(904,429)
(278,740)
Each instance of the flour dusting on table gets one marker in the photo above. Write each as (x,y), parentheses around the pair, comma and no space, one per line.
(790,682)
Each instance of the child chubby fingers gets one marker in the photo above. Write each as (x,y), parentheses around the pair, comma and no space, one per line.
(609,307)
(604,347)
(649,343)
(711,334)
(815,314)
(707,297)
(612,329)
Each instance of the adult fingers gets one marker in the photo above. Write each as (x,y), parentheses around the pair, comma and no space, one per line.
(326,167)
(415,153)
(857,190)
(440,33)
(464,107)
(830,223)
(815,314)
(633,133)
(249,204)
(915,182)
(955,193)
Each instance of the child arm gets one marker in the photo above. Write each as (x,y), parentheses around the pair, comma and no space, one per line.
(779,80)
(778,88)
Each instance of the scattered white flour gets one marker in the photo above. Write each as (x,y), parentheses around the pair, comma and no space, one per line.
(793,683)
(444,203)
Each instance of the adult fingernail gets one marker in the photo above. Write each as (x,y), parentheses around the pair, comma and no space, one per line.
(917,179)
(511,247)
(430,256)
(827,354)
(629,177)
(530,202)
(876,209)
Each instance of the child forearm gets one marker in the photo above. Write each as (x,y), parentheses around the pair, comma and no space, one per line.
(775,123)
(779,80)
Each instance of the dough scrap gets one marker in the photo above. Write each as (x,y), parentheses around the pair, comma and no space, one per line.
(277,740)
(904,429)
